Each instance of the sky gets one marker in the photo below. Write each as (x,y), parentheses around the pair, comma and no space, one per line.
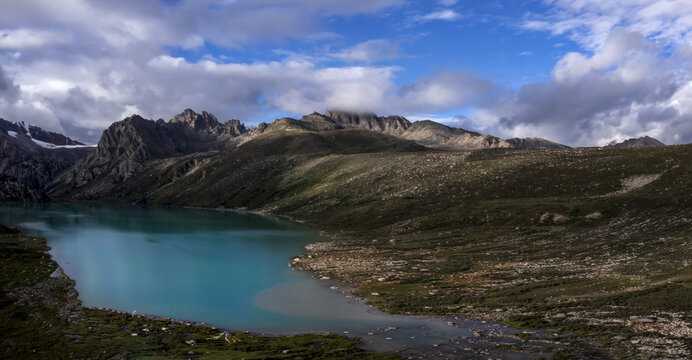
(579,72)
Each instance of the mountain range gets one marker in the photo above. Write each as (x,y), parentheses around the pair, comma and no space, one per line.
(421,218)
(35,160)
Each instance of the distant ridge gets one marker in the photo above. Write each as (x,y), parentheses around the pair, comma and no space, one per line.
(46,139)
(535,143)
(427,133)
(644,141)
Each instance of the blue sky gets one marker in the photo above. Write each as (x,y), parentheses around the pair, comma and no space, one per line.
(483,37)
(578,72)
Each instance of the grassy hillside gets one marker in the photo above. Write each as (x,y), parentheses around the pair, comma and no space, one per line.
(595,243)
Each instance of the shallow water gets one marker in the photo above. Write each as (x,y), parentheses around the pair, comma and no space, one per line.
(223,268)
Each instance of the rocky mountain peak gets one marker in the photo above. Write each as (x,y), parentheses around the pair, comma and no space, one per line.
(203,121)
(208,123)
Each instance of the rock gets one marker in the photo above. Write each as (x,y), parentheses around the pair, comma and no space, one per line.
(134,334)
(594,216)
(544,218)
(375,294)
(191,342)
(559,316)
(554,218)
(643,319)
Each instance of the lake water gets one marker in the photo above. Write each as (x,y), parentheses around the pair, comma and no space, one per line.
(226,269)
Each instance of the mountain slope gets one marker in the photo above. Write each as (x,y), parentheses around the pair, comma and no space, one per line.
(267,153)
(130,146)
(30,158)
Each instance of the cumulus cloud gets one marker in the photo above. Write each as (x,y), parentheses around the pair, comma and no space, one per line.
(627,89)
(370,51)
(80,65)
(589,22)
(445,90)
(632,80)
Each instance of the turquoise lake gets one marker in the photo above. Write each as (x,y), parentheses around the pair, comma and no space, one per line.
(222,268)
(191,264)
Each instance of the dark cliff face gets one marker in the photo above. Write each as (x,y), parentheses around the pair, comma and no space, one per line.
(25,167)
(645,141)
(131,145)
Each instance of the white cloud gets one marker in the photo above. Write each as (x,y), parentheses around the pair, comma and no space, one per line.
(370,51)
(444,15)
(79,65)
(589,22)
(19,39)
(444,91)
(629,88)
